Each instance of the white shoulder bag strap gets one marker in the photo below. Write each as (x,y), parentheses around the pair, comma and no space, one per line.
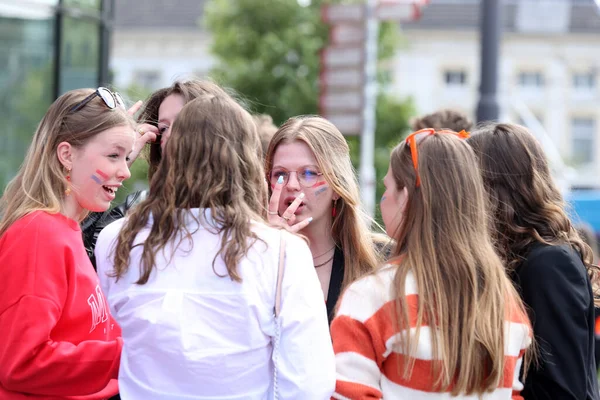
(276,311)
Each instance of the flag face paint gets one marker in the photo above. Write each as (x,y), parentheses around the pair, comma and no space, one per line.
(319,184)
(320,191)
(101,179)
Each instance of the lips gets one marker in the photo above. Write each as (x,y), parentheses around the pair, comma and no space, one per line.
(289,200)
(111,190)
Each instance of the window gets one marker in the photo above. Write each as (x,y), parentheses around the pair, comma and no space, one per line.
(148,79)
(531,79)
(584,80)
(80,64)
(583,131)
(455,78)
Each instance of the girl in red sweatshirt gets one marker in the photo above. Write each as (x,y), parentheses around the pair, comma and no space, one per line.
(59,340)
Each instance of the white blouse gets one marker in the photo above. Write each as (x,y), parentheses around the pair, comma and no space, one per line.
(191,334)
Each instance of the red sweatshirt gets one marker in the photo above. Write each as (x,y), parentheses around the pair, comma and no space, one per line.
(57,337)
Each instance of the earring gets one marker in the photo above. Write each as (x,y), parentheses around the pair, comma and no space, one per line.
(333,211)
(68,178)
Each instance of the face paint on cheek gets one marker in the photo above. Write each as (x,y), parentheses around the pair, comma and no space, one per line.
(382,198)
(320,191)
(102,179)
(319,184)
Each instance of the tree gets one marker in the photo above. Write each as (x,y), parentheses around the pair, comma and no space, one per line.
(268,52)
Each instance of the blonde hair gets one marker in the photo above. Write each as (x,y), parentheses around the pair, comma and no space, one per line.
(350,229)
(40,182)
(212,160)
(444,241)
(188,90)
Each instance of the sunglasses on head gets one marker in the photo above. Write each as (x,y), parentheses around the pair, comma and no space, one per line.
(413,138)
(111,99)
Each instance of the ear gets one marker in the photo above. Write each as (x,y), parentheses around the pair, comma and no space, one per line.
(335,196)
(64,152)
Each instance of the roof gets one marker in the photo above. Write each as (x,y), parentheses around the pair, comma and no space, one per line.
(158,14)
(579,16)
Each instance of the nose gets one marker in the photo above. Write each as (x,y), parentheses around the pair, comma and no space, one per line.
(293,183)
(124,172)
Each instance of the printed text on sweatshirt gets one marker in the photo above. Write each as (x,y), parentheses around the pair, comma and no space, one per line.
(59,340)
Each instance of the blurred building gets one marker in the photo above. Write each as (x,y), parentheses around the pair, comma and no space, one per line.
(549,71)
(158,41)
(47,47)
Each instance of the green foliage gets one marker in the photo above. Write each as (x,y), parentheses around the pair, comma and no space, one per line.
(268,51)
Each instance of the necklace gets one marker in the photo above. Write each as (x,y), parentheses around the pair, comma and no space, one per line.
(321,255)
(320,265)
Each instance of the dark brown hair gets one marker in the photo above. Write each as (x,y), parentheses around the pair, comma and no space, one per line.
(525,203)
(188,90)
(443,119)
(211,161)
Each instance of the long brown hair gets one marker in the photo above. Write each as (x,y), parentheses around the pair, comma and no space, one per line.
(350,230)
(211,161)
(41,181)
(444,241)
(188,90)
(525,203)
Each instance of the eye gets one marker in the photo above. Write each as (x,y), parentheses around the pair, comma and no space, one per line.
(277,174)
(113,156)
(127,159)
(162,129)
(308,173)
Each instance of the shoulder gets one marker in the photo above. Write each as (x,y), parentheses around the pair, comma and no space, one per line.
(550,262)
(50,227)
(364,297)
(109,233)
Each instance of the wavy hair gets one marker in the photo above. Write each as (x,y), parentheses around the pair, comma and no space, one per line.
(350,229)
(211,161)
(41,181)
(444,241)
(188,90)
(525,203)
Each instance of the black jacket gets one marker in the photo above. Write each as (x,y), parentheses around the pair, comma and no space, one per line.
(95,222)
(554,285)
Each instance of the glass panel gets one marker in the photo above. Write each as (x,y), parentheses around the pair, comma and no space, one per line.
(86,4)
(80,60)
(26,79)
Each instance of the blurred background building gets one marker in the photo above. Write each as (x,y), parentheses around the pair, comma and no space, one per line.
(549,67)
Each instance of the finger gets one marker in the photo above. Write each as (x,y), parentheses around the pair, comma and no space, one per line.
(291,210)
(275,196)
(300,225)
(139,145)
(135,108)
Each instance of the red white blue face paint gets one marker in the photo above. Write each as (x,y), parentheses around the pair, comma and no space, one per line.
(320,191)
(319,184)
(99,177)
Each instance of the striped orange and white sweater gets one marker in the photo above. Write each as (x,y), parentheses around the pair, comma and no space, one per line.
(367,352)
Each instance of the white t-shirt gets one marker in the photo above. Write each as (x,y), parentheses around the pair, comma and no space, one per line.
(191,334)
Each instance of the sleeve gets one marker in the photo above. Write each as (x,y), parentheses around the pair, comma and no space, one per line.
(358,368)
(30,308)
(554,287)
(104,259)
(306,364)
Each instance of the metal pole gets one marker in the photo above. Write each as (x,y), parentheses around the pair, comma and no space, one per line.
(367,138)
(106,24)
(491,34)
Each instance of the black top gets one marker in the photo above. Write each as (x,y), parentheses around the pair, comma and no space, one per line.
(335,282)
(554,285)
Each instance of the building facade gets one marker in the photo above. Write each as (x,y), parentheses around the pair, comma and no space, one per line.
(47,47)
(548,73)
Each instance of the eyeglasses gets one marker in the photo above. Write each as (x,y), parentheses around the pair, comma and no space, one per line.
(306,177)
(111,99)
(411,141)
